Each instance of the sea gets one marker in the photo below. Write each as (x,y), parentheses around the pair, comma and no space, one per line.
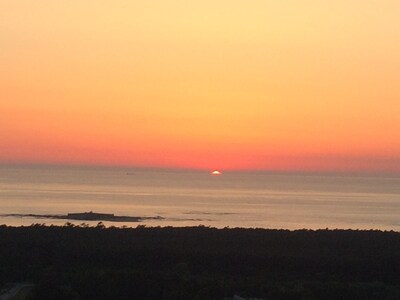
(190,198)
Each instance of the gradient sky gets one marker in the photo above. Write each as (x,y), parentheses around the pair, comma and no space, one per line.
(276,85)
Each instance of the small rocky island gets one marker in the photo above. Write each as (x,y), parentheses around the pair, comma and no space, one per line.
(87,216)
(92,216)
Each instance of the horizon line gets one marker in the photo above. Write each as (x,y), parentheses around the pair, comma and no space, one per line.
(350,173)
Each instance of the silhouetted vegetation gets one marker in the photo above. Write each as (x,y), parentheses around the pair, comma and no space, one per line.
(83,262)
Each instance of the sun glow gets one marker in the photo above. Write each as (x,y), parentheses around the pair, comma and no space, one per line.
(260,86)
(216,172)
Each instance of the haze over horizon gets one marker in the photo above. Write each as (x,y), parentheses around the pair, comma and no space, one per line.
(266,85)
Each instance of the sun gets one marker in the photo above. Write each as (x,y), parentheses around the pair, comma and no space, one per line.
(216,172)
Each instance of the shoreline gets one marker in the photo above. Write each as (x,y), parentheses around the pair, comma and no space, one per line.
(76,223)
(101,225)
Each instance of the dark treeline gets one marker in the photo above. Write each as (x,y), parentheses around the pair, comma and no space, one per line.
(200,263)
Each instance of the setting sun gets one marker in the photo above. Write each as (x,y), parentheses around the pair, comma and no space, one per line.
(216,172)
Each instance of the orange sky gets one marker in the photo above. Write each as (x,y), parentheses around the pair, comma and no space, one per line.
(276,85)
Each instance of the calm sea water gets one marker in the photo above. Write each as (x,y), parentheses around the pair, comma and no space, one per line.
(186,198)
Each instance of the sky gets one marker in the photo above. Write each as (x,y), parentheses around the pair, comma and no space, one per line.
(256,85)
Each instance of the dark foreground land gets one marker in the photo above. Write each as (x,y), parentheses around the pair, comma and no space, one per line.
(199,263)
